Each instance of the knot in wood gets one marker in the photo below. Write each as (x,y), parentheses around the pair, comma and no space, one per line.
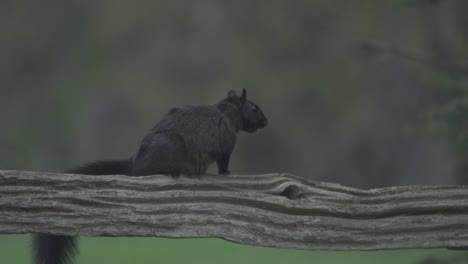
(293,192)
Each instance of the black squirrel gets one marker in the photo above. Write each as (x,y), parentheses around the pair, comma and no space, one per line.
(185,141)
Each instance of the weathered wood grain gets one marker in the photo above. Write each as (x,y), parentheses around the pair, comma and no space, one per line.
(275,210)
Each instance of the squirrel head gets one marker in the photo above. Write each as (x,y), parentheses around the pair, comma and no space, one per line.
(252,116)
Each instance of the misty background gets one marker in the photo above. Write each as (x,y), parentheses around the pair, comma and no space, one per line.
(347,86)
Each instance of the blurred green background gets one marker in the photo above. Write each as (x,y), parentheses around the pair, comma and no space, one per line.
(363,93)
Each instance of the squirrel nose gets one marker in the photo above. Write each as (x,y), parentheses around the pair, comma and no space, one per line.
(265,122)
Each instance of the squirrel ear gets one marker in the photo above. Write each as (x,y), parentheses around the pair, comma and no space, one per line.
(232,93)
(244,95)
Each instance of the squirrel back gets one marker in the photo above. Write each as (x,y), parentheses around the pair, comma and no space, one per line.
(188,139)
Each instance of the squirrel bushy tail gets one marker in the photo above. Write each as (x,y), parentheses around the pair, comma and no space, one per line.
(53,249)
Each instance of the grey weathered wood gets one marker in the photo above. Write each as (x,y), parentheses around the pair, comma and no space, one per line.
(276,210)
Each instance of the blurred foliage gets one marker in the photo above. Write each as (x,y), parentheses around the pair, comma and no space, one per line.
(450,121)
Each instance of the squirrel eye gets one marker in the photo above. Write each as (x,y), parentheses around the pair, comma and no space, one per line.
(254,108)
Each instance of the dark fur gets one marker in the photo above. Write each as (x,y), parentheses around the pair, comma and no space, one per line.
(186,141)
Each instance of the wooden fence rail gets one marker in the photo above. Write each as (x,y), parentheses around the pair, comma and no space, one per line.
(274,210)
